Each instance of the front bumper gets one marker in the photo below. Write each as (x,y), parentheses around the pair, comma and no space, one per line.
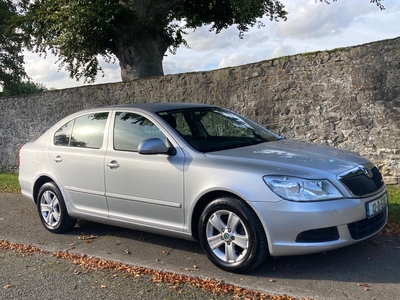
(295,228)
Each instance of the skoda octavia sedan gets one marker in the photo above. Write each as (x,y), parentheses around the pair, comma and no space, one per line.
(202,172)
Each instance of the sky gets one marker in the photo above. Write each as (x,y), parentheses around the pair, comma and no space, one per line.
(310,27)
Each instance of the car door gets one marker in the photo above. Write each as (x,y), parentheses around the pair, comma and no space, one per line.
(77,157)
(143,189)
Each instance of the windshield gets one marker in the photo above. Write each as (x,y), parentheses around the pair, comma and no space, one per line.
(212,128)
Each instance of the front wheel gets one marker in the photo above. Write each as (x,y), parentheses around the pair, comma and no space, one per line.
(232,235)
(52,210)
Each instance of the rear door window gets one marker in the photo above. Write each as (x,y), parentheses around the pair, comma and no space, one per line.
(86,132)
(63,135)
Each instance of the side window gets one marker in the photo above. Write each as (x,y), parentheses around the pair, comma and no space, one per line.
(130,129)
(86,131)
(63,135)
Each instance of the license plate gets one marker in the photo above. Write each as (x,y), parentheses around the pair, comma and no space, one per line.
(376,206)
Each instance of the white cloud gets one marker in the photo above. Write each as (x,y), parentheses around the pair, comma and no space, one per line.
(204,40)
(282,50)
(45,70)
(235,59)
(314,20)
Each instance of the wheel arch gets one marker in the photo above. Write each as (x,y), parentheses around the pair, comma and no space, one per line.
(244,256)
(205,200)
(38,184)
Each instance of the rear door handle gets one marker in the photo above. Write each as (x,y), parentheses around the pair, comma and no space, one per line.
(58,159)
(113,165)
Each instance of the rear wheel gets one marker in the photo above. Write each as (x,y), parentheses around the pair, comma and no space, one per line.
(232,235)
(52,210)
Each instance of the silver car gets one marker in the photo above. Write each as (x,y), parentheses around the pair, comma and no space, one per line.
(205,173)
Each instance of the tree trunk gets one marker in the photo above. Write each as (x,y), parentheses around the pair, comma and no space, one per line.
(141,55)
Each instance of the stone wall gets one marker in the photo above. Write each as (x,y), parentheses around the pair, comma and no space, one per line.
(348,98)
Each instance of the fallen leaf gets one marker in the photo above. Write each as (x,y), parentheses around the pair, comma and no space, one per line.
(87,237)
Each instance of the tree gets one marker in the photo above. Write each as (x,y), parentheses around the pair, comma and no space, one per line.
(137,32)
(11,61)
(22,88)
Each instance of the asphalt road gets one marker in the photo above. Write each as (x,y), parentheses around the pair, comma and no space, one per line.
(42,276)
(367,270)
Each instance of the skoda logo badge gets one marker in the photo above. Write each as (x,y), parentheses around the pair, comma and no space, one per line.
(366,171)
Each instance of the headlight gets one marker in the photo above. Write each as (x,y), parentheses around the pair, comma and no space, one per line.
(298,189)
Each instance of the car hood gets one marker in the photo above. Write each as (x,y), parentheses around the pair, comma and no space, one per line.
(293,155)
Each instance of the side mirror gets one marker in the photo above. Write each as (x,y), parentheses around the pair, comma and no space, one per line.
(154,146)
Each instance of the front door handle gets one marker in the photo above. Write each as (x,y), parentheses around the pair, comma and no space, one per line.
(113,165)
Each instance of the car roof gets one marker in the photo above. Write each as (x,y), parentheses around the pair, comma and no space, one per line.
(144,107)
(160,106)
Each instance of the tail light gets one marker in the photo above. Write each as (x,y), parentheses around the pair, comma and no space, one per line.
(19,155)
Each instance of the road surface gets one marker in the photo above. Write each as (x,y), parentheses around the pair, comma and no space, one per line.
(367,270)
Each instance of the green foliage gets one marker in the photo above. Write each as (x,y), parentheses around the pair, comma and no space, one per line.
(222,14)
(74,30)
(284,60)
(11,60)
(23,88)
(77,31)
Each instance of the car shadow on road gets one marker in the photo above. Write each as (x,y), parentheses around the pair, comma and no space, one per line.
(374,260)
(91,228)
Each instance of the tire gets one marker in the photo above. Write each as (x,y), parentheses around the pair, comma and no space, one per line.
(232,235)
(52,210)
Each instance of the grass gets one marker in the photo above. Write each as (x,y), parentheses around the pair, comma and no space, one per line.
(9,184)
(394,203)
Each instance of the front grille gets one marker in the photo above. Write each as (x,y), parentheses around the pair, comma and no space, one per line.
(360,184)
(361,229)
(318,235)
